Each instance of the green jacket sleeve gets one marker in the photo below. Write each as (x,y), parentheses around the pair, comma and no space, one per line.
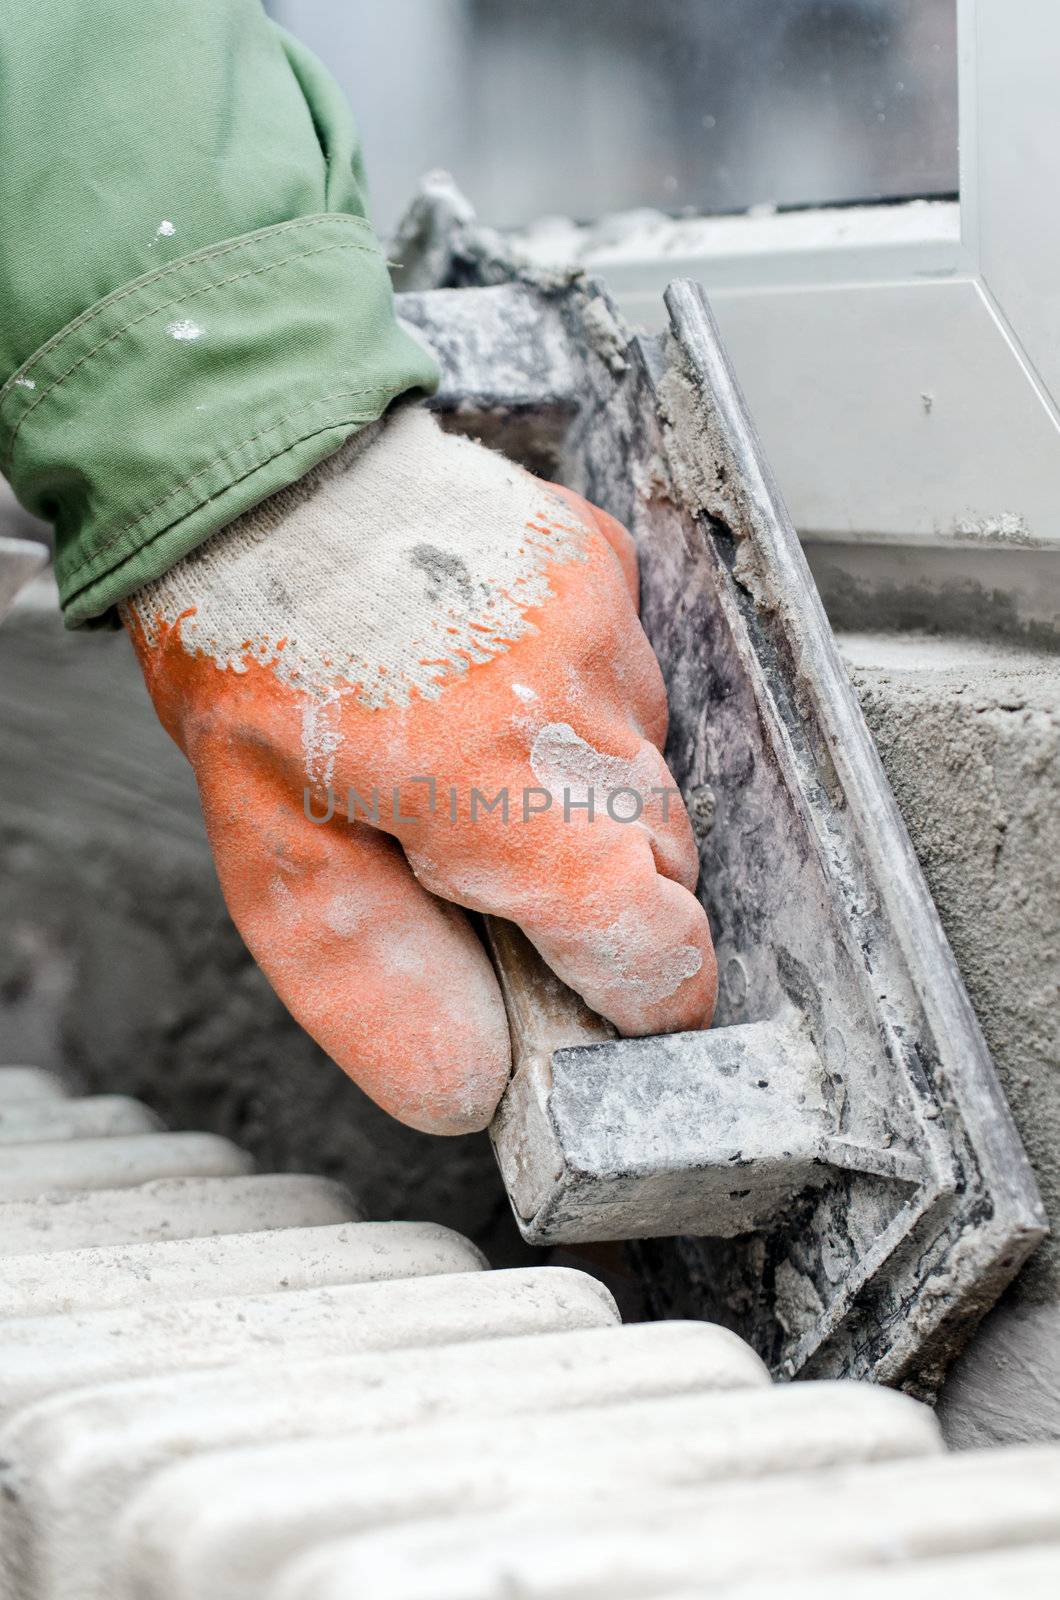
(193,307)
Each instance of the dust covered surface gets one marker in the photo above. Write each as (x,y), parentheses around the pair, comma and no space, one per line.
(972,751)
(973,757)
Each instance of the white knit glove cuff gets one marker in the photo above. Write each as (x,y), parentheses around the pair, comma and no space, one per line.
(401,559)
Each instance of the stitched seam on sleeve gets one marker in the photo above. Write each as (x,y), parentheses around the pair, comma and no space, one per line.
(130,527)
(244,242)
(167,305)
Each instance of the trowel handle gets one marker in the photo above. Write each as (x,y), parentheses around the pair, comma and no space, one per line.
(543,1014)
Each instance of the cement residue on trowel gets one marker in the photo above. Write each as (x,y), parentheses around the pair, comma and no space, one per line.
(651,479)
(606,333)
(707,476)
(747,570)
(701,463)
(710,479)
(797,1303)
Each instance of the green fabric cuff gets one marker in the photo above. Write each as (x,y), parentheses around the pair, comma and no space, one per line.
(185,397)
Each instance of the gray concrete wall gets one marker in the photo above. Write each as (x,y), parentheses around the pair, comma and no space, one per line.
(970,738)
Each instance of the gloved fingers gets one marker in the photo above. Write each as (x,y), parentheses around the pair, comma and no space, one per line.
(631,791)
(390,981)
(635,944)
(486,796)
(641,955)
(624,676)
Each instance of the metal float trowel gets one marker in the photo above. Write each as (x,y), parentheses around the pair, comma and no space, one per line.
(831,1169)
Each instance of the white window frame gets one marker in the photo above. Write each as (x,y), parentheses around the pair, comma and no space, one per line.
(902,361)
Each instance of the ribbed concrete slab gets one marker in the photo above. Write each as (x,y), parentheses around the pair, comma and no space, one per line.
(702,1541)
(45,1355)
(78,1459)
(170,1208)
(1032,1574)
(18,1084)
(34,1169)
(100,1116)
(245,1263)
(223,1524)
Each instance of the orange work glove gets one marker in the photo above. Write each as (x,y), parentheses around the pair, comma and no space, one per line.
(401,682)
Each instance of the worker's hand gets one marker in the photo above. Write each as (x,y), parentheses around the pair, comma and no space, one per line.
(415,632)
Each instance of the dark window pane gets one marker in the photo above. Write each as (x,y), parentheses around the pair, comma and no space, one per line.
(590,106)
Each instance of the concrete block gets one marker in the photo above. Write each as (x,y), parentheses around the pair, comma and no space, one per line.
(99,1116)
(969,735)
(244,1263)
(703,1541)
(1005,1388)
(170,1208)
(45,1355)
(18,1084)
(223,1524)
(35,1169)
(78,1459)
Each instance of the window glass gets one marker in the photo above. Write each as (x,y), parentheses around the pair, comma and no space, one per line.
(583,107)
